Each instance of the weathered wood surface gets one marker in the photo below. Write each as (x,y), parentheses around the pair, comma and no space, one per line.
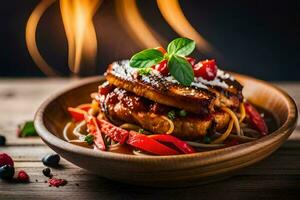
(277,177)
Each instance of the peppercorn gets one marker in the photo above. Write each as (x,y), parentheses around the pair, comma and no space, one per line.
(51,160)
(47,172)
(2,140)
(7,172)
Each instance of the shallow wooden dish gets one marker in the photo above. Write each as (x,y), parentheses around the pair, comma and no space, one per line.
(166,171)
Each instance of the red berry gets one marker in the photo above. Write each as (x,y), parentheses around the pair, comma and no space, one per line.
(206,69)
(162,68)
(191,60)
(161,49)
(56,182)
(23,176)
(6,160)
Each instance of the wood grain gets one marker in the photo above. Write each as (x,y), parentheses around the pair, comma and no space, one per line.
(277,177)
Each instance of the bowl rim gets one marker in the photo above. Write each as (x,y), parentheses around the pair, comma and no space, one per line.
(207,157)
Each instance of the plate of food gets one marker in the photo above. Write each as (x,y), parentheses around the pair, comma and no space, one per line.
(164,119)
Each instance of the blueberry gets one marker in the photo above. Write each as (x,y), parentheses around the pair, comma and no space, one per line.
(7,172)
(51,160)
(47,172)
(2,140)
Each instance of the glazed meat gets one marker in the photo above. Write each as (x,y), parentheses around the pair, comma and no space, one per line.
(121,106)
(199,98)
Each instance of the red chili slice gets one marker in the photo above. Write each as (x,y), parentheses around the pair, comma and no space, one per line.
(255,119)
(94,129)
(77,114)
(115,133)
(149,145)
(183,146)
(206,69)
(84,107)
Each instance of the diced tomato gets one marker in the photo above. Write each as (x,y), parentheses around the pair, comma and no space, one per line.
(161,49)
(94,129)
(77,114)
(183,146)
(191,60)
(149,145)
(206,69)
(115,133)
(104,89)
(162,67)
(255,119)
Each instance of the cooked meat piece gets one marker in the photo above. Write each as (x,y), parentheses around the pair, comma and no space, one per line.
(121,106)
(160,89)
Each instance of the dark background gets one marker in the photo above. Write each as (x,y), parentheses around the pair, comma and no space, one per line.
(259,38)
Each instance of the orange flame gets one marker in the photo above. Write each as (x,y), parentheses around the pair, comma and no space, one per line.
(31,36)
(173,14)
(77,18)
(134,24)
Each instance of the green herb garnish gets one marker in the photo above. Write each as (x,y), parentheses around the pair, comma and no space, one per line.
(144,71)
(27,129)
(178,66)
(172,115)
(206,140)
(146,58)
(89,139)
(182,113)
(141,131)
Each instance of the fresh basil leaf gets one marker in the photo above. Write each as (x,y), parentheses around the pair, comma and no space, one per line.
(146,58)
(27,129)
(181,46)
(181,70)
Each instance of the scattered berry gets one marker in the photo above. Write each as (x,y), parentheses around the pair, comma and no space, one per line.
(47,172)
(6,160)
(23,177)
(7,172)
(51,160)
(2,140)
(56,182)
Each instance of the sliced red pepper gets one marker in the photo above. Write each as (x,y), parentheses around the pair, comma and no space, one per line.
(115,133)
(183,146)
(77,114)
(149,145)
(255,119)
(93,128)
(84,107)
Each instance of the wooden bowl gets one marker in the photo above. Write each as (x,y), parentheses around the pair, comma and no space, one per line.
(166,171)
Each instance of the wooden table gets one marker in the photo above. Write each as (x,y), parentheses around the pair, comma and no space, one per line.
(277,177)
